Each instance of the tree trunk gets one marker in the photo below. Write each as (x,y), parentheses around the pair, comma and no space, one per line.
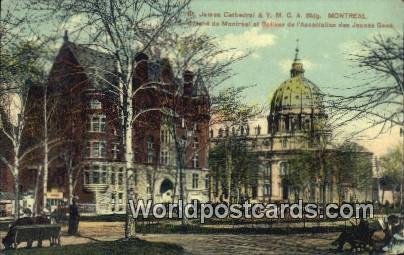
(71,195)
(46,151)
(16,192)
(228,170)
(128,135)
(36,197)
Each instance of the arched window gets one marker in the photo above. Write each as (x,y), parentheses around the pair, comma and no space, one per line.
(283,168)
(220,133)
(165,136)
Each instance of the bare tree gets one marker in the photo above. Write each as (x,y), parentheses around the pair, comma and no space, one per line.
(379,99)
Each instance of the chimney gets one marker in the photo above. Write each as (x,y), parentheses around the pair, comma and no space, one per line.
(188,77)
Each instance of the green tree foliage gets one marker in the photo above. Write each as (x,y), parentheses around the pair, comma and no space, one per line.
(301,172)
(234,153)
(354,166)
(348,164)
(392,165)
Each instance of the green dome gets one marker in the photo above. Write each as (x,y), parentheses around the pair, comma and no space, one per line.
(298,95)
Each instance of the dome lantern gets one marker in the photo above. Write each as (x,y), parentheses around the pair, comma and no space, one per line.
(297,65)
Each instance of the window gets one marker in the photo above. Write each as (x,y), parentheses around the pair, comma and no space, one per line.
(149,143)
(164,157)
(207,182)
(195,160)
(95,104)
(150,156)
(195,180)
(150,152)
(165,136)
(267,189)
(96,149)
(97,123)
(113,178)
(120,198)
(258,130)
(120,177)
(284,143)
(135,178)
(104,174)
(283,168)
(220,132)
(115,151)
(195,144)
(112,198)
(268,171)
(86,177)
(94,174)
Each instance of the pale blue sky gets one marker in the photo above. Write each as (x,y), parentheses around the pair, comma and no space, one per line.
(324,51)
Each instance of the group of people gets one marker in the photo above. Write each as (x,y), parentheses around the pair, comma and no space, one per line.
(27,219)
(379,238)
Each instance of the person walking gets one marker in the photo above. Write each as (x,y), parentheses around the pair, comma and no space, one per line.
(74,217)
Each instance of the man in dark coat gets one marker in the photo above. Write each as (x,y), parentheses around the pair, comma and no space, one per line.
(74,217)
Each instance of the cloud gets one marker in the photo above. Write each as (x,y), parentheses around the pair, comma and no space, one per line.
(286,64)
(242,43)
(252,38)
(74,22)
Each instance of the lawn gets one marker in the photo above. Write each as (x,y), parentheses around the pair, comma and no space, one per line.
(132,246)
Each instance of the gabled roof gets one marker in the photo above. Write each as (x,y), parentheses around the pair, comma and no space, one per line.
(101,71)
(98,66)
(199,88)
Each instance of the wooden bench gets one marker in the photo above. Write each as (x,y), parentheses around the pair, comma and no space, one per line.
(31,233)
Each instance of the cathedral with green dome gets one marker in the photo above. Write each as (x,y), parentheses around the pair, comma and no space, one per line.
(297,123)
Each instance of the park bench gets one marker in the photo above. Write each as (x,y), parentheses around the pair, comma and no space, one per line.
(40,232)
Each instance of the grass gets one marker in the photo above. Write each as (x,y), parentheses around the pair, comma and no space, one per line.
(133,246)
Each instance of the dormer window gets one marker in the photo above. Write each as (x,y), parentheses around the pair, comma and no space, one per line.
(95,104)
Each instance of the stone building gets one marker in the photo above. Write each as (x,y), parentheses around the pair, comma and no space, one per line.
(297,122)
(87,158)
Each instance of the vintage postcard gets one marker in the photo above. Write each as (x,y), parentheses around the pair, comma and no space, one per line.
(201,127)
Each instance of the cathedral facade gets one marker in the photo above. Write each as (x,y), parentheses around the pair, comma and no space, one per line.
(296,123)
